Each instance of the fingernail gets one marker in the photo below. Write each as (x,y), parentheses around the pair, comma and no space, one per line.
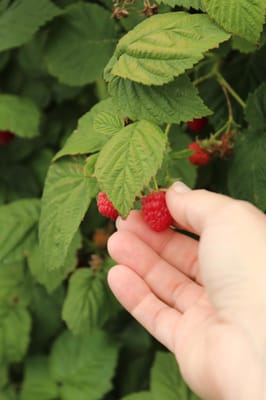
(180,187)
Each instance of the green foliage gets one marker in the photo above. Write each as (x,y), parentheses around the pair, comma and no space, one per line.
(61,214)
(101,103)
(128,161)
(150,55)
(19,115)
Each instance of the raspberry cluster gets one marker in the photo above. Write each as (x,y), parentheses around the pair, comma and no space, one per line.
(200,156)
(154,208)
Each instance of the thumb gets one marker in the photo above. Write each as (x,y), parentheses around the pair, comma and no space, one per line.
(193,209)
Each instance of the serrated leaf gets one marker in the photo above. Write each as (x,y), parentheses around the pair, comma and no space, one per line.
(66,198)
(197,4)
(38,383)
(86,139)
(244,18)
(19,115)
(256,108)
(138,396)
(18,221)
(83,366)
(164,46)
(166,380)
(22,19)
(243,45)
(175,102)
(247,170)
(128,161)
(107,123)
(15,324)
(80,44)
(87,303)
(51,279)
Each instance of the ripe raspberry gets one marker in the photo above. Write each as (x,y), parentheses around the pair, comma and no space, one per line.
(155,211)
(197,124)
(105,206)
(200,156)
(6,137)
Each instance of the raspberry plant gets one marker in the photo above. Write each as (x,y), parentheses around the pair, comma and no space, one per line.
(96,96)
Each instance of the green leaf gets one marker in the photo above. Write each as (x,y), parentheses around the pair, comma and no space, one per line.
(244,18)
(138,396)
(83,366)
(15,324)
(80,44)
(18,221)
(197,4)
(108,123)
(174,102)
(22,19)
(38,383)
(256,108)
(19,115)
(86,139)
(8,393)
(247,170)
(51,279)
(66,198)
(87,303)
(15,284)
(243,45)
(164,46)
(128,161)
(166,381)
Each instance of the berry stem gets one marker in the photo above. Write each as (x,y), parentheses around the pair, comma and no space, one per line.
(229,88)
(155,184)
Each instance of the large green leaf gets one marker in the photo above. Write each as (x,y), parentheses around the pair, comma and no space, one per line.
(197,4)
(164,46)
(51,279)
(80,44)
(83,366)
(256,108)
(166,381)
(38,383)
(86,139)
(128,161)
(22,19)
(242,17)
(19,115)
(15,324)
(18,221)
(174,102)
(66,198)
(87,305)
(247,171)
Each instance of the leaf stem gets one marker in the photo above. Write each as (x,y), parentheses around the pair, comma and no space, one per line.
(167,129)
(203,78)
(229,88)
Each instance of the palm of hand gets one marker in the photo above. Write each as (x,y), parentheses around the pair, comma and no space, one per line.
(162,288)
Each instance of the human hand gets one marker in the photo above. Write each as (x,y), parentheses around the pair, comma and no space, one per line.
(204,300)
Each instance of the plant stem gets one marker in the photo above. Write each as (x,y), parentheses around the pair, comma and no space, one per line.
(203,78)
(226,85)
(155,184)
(167,129)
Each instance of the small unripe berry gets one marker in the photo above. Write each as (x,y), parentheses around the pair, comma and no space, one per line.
(197,124)
(155,211)
(106,207)
(200,156)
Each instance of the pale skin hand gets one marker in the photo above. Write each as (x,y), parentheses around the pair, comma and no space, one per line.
(205,301)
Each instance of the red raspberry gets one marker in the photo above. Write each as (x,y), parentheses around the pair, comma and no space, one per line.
(200,156)
(155,211)
(105,206)
(6,137)
(197,124)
